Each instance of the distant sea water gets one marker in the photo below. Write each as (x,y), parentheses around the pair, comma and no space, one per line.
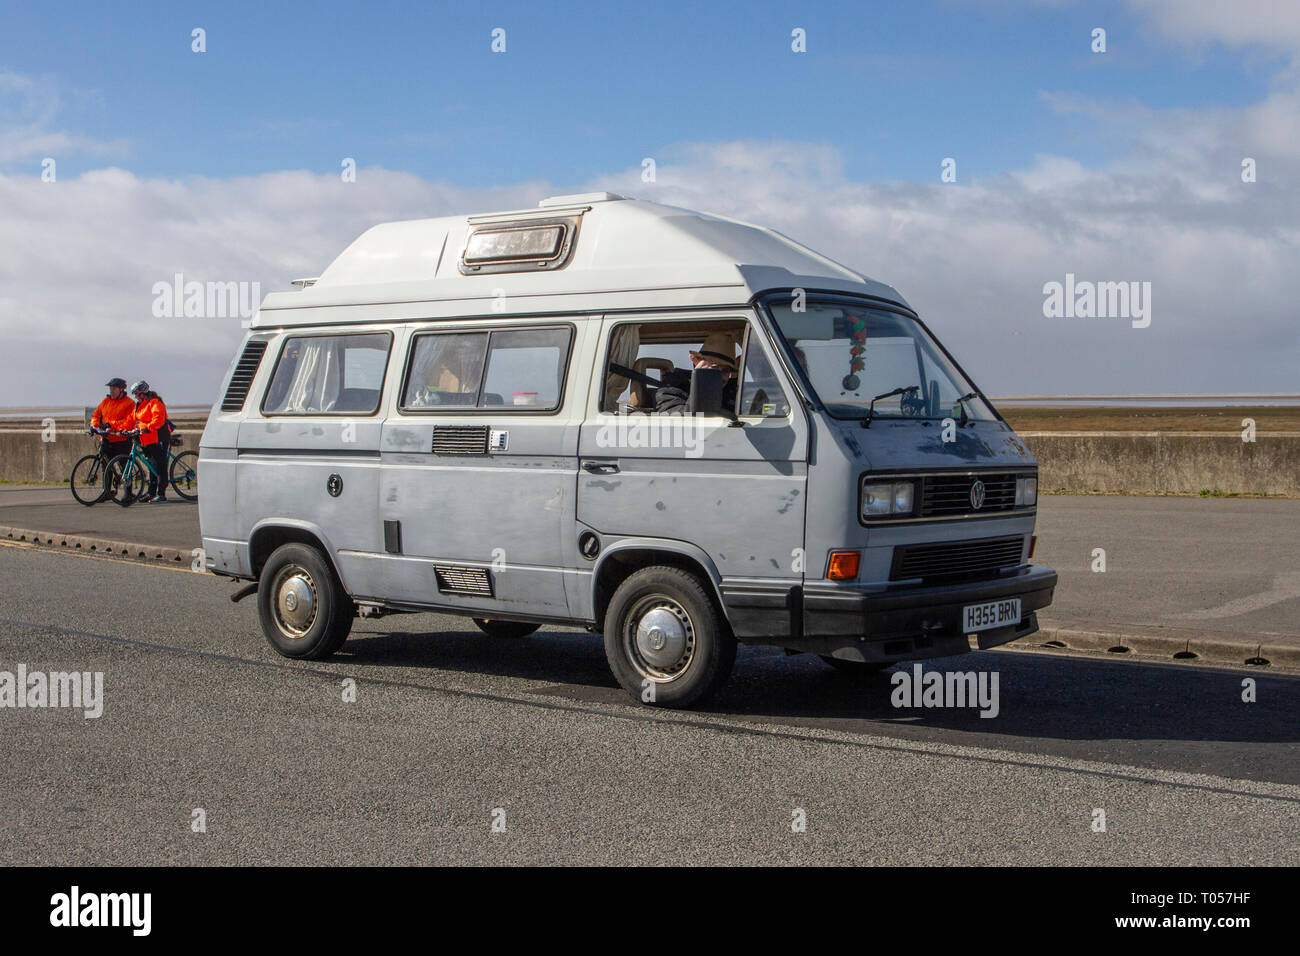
(76,411)
(1145,401)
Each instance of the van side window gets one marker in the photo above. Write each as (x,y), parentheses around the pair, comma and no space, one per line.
(648,364)
(328,374)
(525,367)
(504,368)
(446,369)
(760,392)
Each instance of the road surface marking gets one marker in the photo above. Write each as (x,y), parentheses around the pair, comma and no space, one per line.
(1285,587)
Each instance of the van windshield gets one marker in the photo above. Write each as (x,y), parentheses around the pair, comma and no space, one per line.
(852,354)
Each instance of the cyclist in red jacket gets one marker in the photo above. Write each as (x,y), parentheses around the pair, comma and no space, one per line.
(151,420)
(115,411)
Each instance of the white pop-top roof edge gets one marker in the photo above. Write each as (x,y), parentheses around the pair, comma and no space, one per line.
(624,247)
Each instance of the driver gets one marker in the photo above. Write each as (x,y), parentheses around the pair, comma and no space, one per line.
(717,352)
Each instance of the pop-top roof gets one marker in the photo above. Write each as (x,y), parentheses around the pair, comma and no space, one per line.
(622,253)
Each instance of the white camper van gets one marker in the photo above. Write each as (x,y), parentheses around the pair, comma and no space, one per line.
(677,430)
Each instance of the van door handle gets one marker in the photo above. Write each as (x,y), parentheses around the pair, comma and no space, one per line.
(601,467)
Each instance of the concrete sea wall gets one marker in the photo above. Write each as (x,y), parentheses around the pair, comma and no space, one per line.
(1130,462)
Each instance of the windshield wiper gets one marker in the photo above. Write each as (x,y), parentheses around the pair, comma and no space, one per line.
(961,403)
(871,409)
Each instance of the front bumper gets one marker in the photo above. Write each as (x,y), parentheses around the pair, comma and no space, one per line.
(896,624)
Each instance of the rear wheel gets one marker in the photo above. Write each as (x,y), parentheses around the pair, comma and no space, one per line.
(125,481)
(184,475)
(87,480)
(665,640)
(494,628)
(304,610)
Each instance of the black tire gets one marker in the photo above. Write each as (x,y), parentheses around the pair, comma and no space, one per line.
(125,491)
(511,629)
(690,620)
(301,570)
(184,475)
(87,480)
(855,668)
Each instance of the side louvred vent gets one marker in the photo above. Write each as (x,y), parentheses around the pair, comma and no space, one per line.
(460,439)
(242,380)
(455,580)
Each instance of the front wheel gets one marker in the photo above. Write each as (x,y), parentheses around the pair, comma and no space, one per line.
(124,480)
(304,610)
(87,480)
(184,475)
(665,640)
(508,629)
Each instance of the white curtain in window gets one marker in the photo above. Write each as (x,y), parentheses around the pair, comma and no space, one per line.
(623,348)
(315,386)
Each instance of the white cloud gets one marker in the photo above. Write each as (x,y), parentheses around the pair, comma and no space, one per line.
(30,107)
(79,257)
(973,257)
(1273,24)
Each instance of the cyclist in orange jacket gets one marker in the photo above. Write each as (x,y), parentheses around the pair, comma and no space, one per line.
(151,419)
(115,411)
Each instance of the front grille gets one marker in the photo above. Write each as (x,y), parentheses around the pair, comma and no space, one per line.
(452,580)
(943,495)
(950,559)
(460,440)
(242,379)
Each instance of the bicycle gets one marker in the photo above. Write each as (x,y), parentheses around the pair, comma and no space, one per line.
(183,470)
(127,477)
(87,478)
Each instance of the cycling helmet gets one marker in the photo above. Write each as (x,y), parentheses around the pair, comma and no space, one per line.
(119,382)
(140,386)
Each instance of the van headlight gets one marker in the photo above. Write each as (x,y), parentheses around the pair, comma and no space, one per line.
(1026,492)
(882,499)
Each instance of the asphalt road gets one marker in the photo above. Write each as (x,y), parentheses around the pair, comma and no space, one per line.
(1222,565)
(449,725)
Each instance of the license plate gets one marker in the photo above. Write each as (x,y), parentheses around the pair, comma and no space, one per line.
(991,614)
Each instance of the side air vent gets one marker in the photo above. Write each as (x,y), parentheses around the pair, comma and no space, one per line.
(460,439)
(452,580)
(242,380)
(393,537)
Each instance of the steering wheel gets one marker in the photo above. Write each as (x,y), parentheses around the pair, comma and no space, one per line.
(912,405)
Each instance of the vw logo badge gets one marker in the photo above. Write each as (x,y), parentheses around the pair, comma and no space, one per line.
(977,494)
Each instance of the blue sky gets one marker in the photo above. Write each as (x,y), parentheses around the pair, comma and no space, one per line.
(585,88)
(225,165)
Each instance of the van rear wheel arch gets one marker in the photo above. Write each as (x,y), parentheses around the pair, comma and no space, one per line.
(264,541)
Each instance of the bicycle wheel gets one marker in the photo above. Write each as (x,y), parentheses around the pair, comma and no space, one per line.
(184,477)
(87,480)
(124,480)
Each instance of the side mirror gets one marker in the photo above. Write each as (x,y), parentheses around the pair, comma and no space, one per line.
(706,393)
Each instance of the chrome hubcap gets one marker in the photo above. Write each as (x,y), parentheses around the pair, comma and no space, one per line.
(295,601)
(659,638)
